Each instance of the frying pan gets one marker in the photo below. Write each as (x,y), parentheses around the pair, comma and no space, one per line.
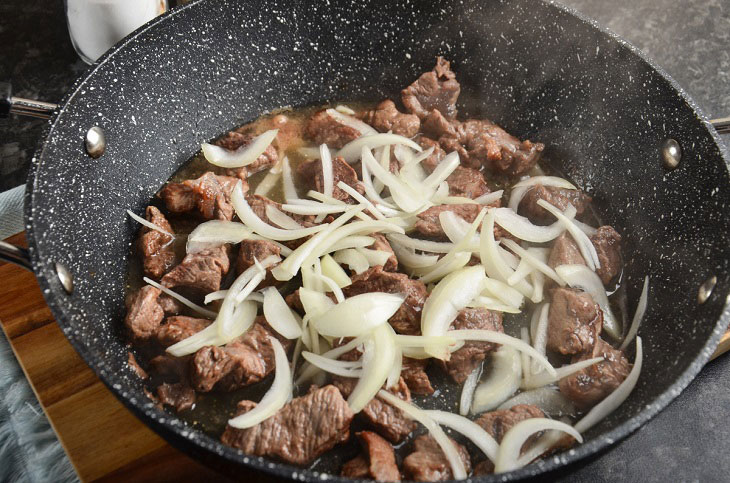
(545,73)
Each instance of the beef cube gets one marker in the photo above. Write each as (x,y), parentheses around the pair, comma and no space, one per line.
(169,305)
(386,117)
(178,395)
(415,377)
(381,244)
(170,369)
(467,358)
(467,183)
(428,462)
(558,197)
(311,177)
(157,251)
(210,193)
(437,89)
(607,243)
(325,129)
(574,321)
(407,319)
(250,250)
(377,461)
(237,139)
(588,387)
(144,314)
(178,328)
(305,428)
(200,271)
(565,252)
(244,361)
(497,423)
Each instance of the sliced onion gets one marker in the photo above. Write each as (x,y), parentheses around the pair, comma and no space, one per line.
(523,229)
(242,156)
(352,150)
(267,184)
(279,316)
(503,292)
(249,218)
(314,209)
(457,261)
(375,257)
(410,259)
(281,219)
(275,398)
(290,190)
(202,311)
(502,381)
(475,433)
(520,189)
(550,401)
(311,371)
(542,379)
(396,368)
(418,244)
(467,390)
(587,229)
(218,295)
(371,190)
(353,241)
(489,198)
(533,260)
(332,270)
(377,361)
(150,225)
(314,303)
(332,285)
(492,304)
(344,110)
(581,239)
(442,306)
(414,412)
(638,315)
(522,271)
(358,314)
(456,230)
(616,398)
(353,259)
(360,199)
(442,171)
(340,368)
(328,176)
(452,200)
(214,233)
(492,259)
(538,283)
(407,199)
(351,122)
(509,449)
(580,276)
(541,334)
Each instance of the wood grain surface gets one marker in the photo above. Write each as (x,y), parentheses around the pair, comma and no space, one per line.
(103,440)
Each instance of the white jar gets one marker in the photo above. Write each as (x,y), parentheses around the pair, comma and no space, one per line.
(96,25)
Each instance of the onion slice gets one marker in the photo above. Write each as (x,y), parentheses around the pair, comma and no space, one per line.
(278,314)
(352,150)
(520,189)
(542,379)
(353,259)
(328,177)
(580,276)
(584,243)
(541,334)
(287,180)
(275,398)
(341,116)
(357,315)
(332,270)
(407,198)
(492,259)
(475,433)
(533,260)
(214,233)
(523,229)
(333,366)
(242,156)
(509,449)
(638,315)
(422,245)
(377,362)
(467,390)
(549,399)
(202,311)
(489,198)
(281,219)
(502,381)
(149,224)
(414,412)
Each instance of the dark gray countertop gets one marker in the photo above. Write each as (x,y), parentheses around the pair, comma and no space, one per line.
(689,38)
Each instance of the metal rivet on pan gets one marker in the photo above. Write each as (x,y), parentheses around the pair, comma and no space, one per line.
(671,153)
(64,276)
(706,289)
(95,142)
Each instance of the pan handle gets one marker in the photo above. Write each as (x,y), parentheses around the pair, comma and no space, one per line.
(14,254)
(721,125)
(23,107)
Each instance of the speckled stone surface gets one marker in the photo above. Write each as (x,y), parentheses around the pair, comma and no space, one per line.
(655,457)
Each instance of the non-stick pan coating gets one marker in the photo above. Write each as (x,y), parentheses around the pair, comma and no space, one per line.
(536,68)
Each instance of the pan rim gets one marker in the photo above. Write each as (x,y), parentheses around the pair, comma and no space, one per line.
(206,448)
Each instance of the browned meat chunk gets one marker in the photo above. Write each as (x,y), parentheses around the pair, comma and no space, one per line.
(429,225)
(300,432)
(574,321)
(414,374)
(236,139)
(310,176)
(178,395)
(179,328)
(467,182)
(608,246)
(386,117)
(201,271)
(244,361)
(497,423)
(170,369)
(251,250)
(565,252)
(381,244)
(210,193)
(466,359)
(144,314)
(558,197)
(377,461)
(428,462)
(259,203)
(324,129)
(407,320)
(157,251)
(589,386)
(169,305)
(437,89)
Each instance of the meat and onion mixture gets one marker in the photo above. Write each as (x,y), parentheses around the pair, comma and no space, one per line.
(326,275)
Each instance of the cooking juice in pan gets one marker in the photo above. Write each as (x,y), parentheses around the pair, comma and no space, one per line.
(461,275)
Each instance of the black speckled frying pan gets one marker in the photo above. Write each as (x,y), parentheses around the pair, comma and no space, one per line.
(543,72)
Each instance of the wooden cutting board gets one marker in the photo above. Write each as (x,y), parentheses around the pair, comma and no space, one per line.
(103,440)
